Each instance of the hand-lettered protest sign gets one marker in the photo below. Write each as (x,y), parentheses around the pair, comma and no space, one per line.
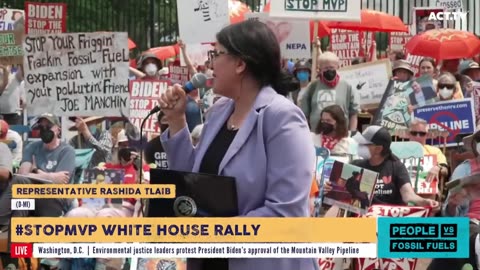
(456,117)
(292,35)
(76,74)
(346,45)
(45,18)
(369,79)
(393,110)
(200,20)
(8,17)
(144,95)
(11,51)
(419,170)
(397,40)
(332,10)
(178,74)
(198,54)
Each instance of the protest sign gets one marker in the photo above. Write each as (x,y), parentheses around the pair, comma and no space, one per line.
(11,51)
(414,61)
(393,110)
(422,92)
(8,17)
(476,101)
(197,53)
(421,21)
(391,211)
(292,35)
(45,18)
(455,116)
(352,187)
(178,74)
(144,95)
(419,169)
(331,10)
(449,4)
(77,74)
(369,79)
(397,40)
(346,45)
(200,21)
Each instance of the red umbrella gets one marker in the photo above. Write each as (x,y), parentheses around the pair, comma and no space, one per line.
(443,44)
(323,29)
(373,21)
(165,52)
(131,44)
(237,11)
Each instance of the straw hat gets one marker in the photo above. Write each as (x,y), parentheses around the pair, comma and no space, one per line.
(89,121)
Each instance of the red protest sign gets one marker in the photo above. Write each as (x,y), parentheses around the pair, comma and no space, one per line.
(346,45)
(397,40)
(45,18)
(144,97)
(178,74)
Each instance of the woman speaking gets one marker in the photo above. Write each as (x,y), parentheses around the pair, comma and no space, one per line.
(253,133)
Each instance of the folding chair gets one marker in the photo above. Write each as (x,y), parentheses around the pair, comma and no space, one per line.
(406,151)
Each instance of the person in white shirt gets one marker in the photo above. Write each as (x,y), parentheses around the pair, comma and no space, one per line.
(13,140)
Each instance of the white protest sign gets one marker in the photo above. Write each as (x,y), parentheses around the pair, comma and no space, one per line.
(200,20)
(331,10)
(448,4)
(77,74)
(198,54)
(8,17)
(292,35)
(369,79)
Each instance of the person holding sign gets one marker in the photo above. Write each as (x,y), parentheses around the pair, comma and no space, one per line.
(330,89)
(448,88)
(402,71)
(253,133)
(393,186)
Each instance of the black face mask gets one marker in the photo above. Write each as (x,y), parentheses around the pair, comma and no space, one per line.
(124,154)
(326,128)
(46,135)
(330,74)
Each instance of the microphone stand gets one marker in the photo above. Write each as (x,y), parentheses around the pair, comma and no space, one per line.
(152,112)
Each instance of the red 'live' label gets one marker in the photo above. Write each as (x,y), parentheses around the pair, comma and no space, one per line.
(21,250)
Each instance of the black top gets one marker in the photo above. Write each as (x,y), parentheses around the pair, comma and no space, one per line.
(392,175)
(154,154)
(210,164)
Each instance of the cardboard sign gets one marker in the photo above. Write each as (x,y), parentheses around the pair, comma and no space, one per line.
(292,35)
(419,169)
(369,79)
(200,20)
(11,51)
(8,17)
(397,40)
(77,74)
(456,117)
(346,45)
(45,18)
(144,97)
(393,110)
(331,10)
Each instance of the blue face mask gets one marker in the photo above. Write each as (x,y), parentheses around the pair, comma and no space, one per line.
(93,129)
(303,76)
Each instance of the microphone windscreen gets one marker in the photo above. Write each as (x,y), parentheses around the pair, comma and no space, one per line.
(199,80)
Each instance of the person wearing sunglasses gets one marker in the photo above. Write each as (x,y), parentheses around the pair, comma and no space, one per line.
(418,133)
(448,88)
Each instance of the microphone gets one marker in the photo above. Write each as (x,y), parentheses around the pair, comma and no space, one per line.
(199,80)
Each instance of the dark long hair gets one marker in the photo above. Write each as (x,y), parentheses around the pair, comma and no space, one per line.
(341,130)
(254,43)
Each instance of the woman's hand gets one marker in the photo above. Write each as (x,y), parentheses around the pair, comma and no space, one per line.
(327,187)
(173,104)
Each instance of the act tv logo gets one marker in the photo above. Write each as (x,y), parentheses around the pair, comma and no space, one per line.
(448,16)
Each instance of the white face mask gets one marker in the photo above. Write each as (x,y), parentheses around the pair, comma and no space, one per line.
(364,152)
(446,93)
(151,69)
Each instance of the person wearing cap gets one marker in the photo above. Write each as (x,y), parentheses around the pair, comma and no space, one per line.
(393,186)
(471,69)
(13,140)
(90,136)
(402,71)
(150,65)
(48,159)
(452,207)
(302,71)
(330,89)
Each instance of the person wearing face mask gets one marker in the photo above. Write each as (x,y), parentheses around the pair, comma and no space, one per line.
(90,136)
(154,153)
(448,88)
(393,186)
(332,131)
(452,207)
(330,89)
(49,159)
(150,65)
(301,71)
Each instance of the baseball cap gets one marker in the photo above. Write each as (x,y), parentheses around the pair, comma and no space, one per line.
(3,129)
(50,117)
(376,135)
(466,65)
